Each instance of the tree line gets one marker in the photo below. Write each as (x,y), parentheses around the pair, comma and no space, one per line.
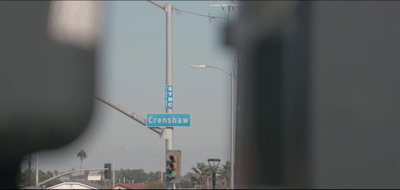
(200,176)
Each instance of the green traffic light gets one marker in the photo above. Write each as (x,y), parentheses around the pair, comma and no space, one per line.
(171,174)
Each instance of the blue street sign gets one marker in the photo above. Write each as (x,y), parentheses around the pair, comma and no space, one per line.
(169,95)
(168,120)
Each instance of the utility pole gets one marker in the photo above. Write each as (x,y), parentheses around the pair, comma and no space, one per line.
(168,81)
(167,133)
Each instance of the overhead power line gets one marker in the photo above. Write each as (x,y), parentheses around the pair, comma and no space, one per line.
(210,17)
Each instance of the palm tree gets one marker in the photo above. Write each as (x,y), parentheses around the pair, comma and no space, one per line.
(82,155)
(224,175)
(201,172)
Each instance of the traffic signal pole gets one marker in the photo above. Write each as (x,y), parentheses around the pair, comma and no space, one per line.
(168,81)
(167,133)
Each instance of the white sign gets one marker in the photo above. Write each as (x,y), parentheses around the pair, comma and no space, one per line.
(94,177)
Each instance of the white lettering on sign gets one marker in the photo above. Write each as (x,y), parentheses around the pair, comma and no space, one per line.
(172,120)
(169,94)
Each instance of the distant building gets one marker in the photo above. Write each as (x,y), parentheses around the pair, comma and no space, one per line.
(81,184)
(129,186)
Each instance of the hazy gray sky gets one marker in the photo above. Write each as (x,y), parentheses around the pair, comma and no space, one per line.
(131,72)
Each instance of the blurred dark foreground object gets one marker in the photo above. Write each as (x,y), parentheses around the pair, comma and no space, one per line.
(318,94)
(47,86)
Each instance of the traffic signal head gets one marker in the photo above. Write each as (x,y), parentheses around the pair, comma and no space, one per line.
(107,171)
(173,166)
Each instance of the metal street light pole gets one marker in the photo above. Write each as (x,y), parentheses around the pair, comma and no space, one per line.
(168,81)
(214,162)
(168,132)
(113,163)
(230,5)
(232,139)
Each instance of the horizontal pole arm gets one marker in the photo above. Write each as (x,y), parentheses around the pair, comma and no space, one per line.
(156,4)
(128,113)
(215,67)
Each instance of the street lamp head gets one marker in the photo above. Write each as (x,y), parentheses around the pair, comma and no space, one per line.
(113,163)
(198,66)
(214,162)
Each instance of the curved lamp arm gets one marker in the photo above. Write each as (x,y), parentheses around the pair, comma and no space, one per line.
(205,66)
